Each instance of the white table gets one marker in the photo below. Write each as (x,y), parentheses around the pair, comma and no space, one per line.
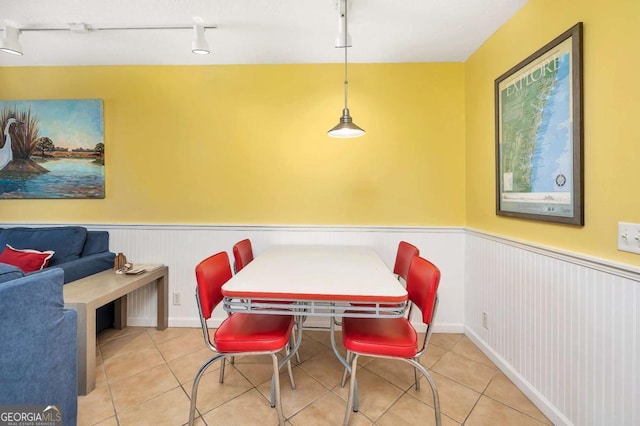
(321,280)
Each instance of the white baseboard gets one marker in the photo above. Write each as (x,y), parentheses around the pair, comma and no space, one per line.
(543,404)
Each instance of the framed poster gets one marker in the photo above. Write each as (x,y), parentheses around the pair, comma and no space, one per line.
(539,134)
(52,149)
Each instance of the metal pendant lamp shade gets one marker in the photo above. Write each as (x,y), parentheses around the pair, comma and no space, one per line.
(346,128)
(9,42)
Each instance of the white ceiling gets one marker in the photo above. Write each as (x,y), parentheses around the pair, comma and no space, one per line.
(253,31)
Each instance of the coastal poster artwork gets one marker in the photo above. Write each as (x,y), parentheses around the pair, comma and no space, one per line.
(536,137)
(52,149)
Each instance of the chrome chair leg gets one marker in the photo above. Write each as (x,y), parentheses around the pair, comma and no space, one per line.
(232,361)
(434,389)
(292,344)
(276,383)
(222,364)
(287,357)
(344,373)
(352,387)
(289,369)
(416,375)
(194,388)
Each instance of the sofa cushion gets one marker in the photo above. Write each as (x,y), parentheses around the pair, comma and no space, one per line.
(66,241)
(97,242)
(9,272)
(28,260)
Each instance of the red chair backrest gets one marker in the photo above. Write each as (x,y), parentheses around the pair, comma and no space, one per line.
(422,286)
(406,253)
(242,253)
(211,274)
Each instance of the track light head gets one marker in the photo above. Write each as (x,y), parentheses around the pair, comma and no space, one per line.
(199,45)
(9,42)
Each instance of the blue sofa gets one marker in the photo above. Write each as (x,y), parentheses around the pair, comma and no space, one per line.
(38,347)
(78,252)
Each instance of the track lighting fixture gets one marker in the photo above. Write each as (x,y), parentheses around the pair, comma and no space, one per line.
(9,42)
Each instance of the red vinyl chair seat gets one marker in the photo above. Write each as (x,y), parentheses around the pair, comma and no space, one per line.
(253,333)
(394,337)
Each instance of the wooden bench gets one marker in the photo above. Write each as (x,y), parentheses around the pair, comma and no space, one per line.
(87,294)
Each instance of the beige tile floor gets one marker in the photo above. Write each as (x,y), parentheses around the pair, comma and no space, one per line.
(144,377)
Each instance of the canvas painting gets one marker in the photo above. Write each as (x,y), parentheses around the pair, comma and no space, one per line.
(52,149)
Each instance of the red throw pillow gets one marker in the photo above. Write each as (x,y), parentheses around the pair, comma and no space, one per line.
(28,260)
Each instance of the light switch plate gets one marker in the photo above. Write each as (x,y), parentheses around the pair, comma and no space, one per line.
(629,237)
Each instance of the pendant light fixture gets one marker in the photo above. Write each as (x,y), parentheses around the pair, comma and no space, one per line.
(346,128)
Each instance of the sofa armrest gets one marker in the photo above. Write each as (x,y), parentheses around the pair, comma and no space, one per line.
(86,266)
(9,272)
(38,344)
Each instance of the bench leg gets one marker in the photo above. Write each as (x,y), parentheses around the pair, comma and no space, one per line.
(162,286)
(86,349)
(120,313)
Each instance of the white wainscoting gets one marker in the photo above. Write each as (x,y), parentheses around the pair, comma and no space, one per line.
(563,327)
(182,247)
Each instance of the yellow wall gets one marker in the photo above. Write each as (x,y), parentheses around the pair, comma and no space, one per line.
(248,144)
(611,111)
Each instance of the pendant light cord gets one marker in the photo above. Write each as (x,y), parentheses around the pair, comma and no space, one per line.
(346,80)
(345,128)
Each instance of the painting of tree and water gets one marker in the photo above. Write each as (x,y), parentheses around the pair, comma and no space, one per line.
(52,149)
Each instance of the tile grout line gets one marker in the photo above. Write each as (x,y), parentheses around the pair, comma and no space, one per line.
(155,344)
(405,392)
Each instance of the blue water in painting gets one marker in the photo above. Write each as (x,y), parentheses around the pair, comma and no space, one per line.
(67,178)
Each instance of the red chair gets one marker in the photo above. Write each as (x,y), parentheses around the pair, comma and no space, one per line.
(238,334)
(395,338)
(405,254)
(242,254)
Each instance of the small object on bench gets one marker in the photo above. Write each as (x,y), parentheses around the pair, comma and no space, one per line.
(124,269)
(119,261)
(131,269)
(148,267)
